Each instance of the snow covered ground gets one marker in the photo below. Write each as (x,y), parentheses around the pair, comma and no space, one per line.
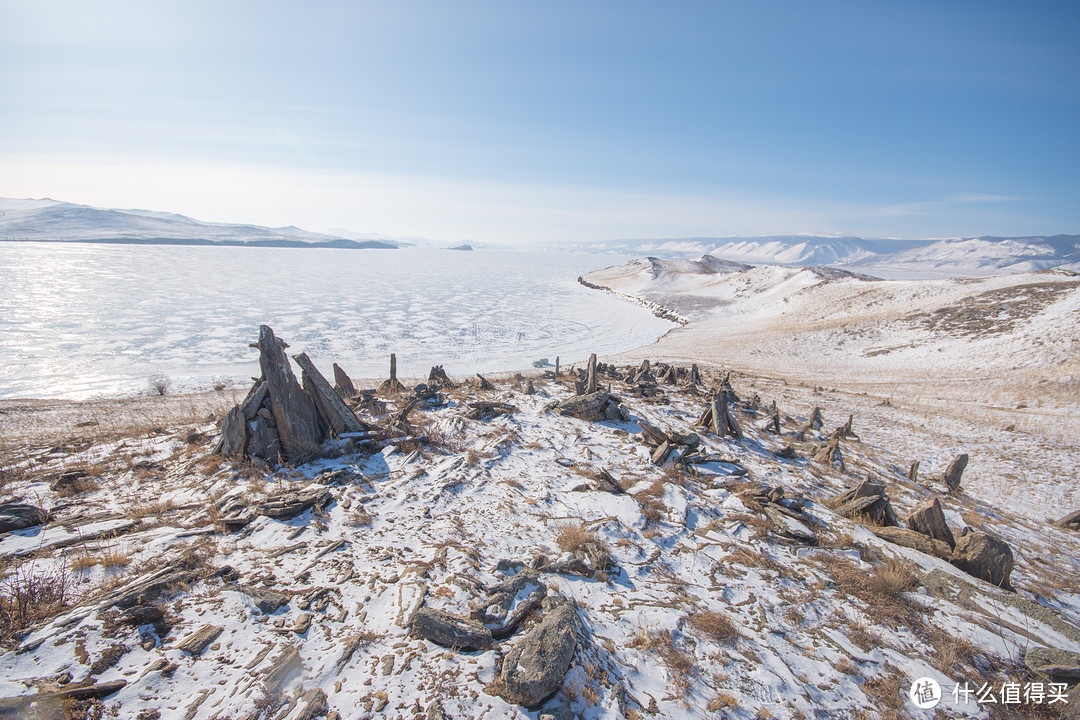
(696,597)
(708,609)
(1005,348)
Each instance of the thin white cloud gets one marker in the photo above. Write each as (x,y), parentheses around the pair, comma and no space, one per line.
(933,207)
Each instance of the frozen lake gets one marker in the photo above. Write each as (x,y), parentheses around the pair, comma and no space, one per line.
(78,320)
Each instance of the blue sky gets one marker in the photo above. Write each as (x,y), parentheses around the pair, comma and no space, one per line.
(512,121)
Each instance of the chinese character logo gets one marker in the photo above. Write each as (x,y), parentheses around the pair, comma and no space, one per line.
(925,693)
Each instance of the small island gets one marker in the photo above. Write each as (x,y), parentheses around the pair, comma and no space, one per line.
(462,246)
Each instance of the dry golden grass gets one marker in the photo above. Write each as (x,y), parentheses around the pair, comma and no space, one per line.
(951,651)
(887,693)
(574,538)
(864,637)
(82,561)
(882,591)
(662,642)
(722,701)
(154,508)
(714,625)
(114,557)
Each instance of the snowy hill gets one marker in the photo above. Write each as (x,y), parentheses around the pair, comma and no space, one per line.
(48,220)
(890,258)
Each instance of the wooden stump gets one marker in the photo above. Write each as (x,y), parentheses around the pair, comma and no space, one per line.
(913,472)
(590,376)
(485,384)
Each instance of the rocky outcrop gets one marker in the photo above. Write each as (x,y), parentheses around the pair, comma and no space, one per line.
(510,602)
(452,631)
(535,668)
(929,519)
(985,557)
(866,501)
(19,516)
(291,504)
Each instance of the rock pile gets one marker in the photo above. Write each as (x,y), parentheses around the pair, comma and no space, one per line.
(279,419)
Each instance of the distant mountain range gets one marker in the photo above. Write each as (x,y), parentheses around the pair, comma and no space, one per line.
(53,221)
(974,256)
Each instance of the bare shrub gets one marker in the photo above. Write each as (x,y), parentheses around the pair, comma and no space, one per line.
(30,594)
(160,385)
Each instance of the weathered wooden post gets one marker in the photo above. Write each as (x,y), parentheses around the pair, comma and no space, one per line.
(590,378)
(392,386)
(913,472)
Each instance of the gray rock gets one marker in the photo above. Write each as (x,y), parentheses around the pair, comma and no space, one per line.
(197,641)
(313,703)
(148,593)
(864,489)
(573,566)
(19,516)
(984,557)
(534,669)
(291,504)
(266,600)
(556,713)
(954,471)
(510,602)
(1059,665)
(452,631)
(929,519)
(144,615)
